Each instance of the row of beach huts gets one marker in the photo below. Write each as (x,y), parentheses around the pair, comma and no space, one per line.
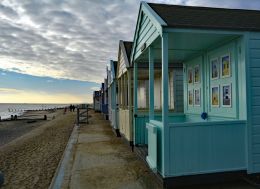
(186,92)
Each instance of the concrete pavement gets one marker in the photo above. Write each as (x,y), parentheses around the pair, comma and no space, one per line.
(96,158)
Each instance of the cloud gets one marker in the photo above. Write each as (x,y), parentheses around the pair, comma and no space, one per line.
(95,88)
(73,39)
(9,90)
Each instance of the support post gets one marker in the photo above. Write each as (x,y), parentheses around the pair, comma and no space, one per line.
(78,116)
(135,96)
(151,84)
(130,104)
(119,92)
(125,90)
(165,105)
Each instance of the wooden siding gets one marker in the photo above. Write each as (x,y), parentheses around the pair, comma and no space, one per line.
(236,80)
(178,90)
(147,33)
(207,148)
(121,65)
(254,95)
(124,125)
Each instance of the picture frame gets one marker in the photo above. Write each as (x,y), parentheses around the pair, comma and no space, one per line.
(225,65)
(214,66)
(227,95)
(190,75)
(215,96)
(197,73)
(197,97)
(190,97)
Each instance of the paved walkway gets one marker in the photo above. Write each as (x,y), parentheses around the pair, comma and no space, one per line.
(98,159)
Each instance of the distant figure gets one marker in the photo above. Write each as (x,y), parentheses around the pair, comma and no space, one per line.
(65,110)
(73,108)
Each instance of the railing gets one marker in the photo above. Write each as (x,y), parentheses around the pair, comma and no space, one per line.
(83,113)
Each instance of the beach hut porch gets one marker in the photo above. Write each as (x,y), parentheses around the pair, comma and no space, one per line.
(210,135)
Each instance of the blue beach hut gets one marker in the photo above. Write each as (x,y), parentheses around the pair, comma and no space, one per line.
(218,130)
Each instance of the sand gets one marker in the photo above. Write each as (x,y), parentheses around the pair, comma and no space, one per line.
(30,155)
(10,130)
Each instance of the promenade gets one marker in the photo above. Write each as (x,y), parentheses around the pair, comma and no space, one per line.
(96,158)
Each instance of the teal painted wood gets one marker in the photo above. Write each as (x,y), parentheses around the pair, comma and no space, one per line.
(140,131)
(207,148)
(135,102)
(193,109)
(178,90)
(253,92)
(157,20)
(238,84)
(148,28)
(147,34)
(152,147)
(115,109)
(165,105)
(203,147)
(151,83)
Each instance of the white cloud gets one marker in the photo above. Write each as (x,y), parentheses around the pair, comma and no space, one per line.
(73,39)
(95,88)
(9,90)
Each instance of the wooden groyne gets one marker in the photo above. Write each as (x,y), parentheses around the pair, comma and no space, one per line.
(31,116)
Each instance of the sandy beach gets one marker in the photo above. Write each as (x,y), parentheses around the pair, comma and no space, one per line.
(30,152)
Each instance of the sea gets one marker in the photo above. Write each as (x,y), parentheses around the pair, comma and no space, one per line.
(6,109)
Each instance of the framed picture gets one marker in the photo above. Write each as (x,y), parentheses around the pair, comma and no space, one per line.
(197,74)
(197,97)
(190,97)
(227,95)
(190,76)
(225,66)
(214,68)
(215,96)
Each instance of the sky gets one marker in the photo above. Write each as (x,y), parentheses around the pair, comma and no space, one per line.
(56,51)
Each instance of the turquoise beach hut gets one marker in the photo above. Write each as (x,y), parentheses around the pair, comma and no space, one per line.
(112,96)
(218,130)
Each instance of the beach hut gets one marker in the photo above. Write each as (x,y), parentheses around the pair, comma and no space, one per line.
(96,101)
(104,99)
(112,96)
(125,95)
(219,130)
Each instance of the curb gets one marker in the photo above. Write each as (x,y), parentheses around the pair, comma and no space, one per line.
(58,177)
